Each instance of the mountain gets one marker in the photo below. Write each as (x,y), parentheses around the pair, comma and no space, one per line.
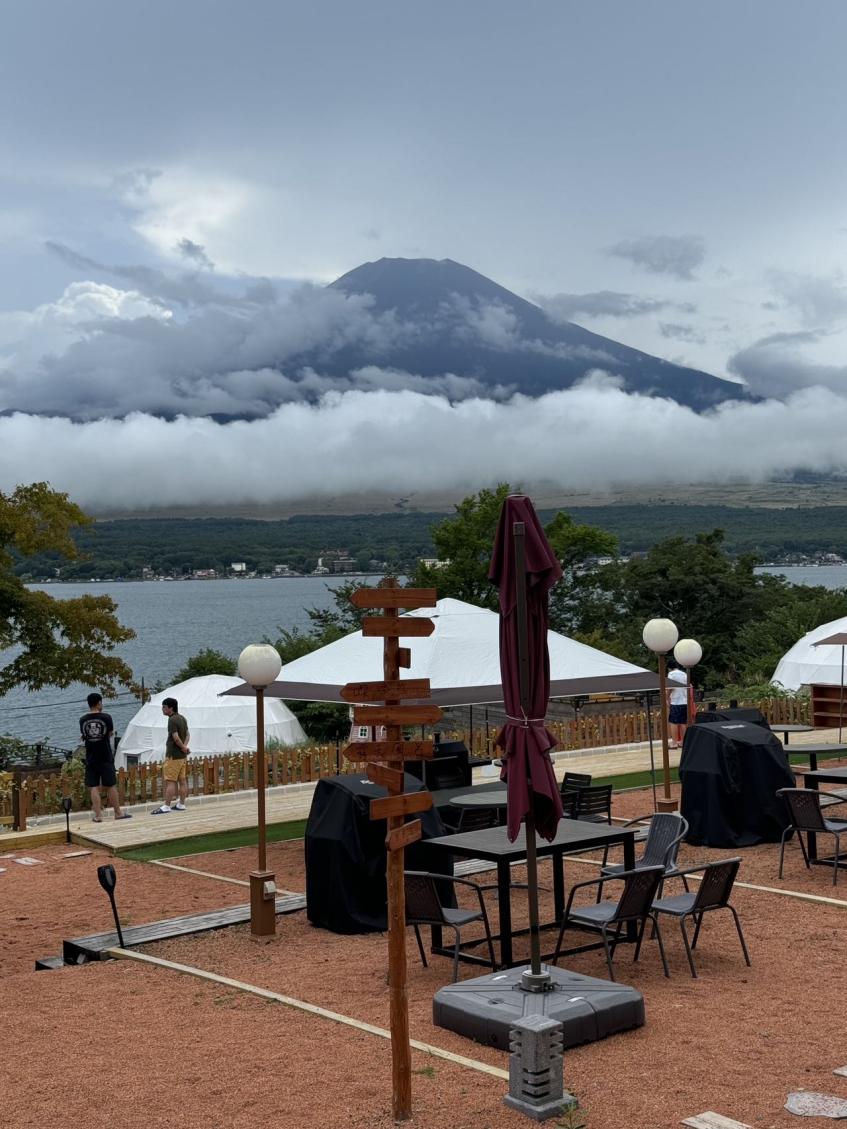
(449,319)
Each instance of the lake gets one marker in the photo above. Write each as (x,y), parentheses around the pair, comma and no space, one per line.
(173,620)
(176,619)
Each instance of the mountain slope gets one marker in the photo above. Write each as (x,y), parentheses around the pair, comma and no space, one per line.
(463,323)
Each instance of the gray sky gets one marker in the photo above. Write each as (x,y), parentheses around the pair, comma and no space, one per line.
(668,174)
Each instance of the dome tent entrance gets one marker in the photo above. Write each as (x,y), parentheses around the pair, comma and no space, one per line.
(217,724)
(811,662)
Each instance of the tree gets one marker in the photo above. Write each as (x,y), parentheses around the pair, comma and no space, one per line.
(57,641)
(207,661)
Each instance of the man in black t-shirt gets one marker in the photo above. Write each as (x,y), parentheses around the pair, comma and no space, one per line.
(97,731)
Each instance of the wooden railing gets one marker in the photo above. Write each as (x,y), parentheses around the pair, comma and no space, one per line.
(42,794)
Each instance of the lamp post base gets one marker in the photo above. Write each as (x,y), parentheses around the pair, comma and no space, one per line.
(669,804)
(262,903)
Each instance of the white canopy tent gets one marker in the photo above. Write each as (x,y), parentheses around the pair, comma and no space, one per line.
(461,659)
(806,664)
(217,724)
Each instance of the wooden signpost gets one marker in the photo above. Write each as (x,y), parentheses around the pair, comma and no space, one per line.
(385,767)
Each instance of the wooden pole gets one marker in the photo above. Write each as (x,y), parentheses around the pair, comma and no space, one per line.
(667,803)
(401,1051)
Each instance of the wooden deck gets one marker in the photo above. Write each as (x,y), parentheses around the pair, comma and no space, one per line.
(80,950)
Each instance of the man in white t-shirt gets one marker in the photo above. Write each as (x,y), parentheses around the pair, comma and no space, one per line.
(677,706)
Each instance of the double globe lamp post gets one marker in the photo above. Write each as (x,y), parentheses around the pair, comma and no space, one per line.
(258,665)
(660,636)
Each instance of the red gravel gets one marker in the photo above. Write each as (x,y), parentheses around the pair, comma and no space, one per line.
(186,1052)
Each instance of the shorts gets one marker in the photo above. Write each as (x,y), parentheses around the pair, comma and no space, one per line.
(174,769)
(100,772)
(678,715)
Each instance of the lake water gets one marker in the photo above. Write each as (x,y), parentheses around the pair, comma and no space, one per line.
(174,620)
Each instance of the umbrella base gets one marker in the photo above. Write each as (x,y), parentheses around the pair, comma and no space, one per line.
(485,1008)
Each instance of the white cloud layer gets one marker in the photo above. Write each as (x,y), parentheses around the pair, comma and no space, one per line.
(590,437)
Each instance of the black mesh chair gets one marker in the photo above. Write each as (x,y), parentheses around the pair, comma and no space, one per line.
(576,780)
(635,904)
(665,832)
(804,811)
(594,804)
(715,889)
(424,907)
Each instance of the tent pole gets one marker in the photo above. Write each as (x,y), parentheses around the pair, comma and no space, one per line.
(529,823)
(841,697)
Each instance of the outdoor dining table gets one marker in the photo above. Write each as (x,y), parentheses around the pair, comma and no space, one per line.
(492,845)
(813,750)
(813,780)
(777,727)
(492,799)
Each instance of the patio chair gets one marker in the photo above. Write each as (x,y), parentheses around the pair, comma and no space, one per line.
(576,780)
(594,804)
(665,832)
(715,889)
(424,907)
(804,812)
(635,904)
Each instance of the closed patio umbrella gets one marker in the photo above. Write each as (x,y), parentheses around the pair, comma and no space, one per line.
(525,568)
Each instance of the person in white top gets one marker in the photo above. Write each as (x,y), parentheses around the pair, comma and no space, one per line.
(678,706)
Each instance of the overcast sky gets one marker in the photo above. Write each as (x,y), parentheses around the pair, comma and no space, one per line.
(668,174)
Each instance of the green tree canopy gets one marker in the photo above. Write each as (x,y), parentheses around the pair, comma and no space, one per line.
(53,642)
(207,661)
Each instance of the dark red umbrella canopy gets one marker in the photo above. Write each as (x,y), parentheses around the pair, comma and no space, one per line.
(525,739)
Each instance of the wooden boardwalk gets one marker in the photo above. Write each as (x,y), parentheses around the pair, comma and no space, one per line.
(80,950)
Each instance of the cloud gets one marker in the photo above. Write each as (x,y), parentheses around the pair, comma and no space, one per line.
(820,301)
(593,436)
(600,304)
(778,365)
(681,332)
(674,255)
(193,251)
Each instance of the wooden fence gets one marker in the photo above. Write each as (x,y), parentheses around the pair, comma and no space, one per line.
(142,784)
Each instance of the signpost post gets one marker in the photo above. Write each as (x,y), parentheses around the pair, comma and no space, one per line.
(385,767)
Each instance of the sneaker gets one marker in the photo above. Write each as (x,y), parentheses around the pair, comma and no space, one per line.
(96,819)
(124,815)
(178,806)
(163,810)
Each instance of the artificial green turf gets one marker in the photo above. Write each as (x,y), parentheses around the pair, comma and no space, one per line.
(218,841)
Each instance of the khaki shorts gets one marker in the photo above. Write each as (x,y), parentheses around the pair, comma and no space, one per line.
(175,768)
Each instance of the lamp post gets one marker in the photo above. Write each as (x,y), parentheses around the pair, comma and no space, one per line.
(688,653)
(659,636)
(258,665)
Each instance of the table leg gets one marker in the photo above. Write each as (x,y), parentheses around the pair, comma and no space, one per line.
(629,864)
(504,898)
(811,837)
(559,883)
(813,762)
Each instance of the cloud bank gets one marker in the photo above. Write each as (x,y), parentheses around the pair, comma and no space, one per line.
(592,436)
(674,255)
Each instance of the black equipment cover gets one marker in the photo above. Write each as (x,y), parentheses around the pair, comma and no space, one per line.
(345,855)
(730,771)
(754,716)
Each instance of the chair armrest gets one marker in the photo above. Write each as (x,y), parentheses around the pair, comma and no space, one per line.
(702,866)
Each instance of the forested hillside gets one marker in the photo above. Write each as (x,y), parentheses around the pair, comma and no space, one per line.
(124,548)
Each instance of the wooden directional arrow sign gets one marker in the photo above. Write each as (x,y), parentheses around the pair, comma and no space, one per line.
(406,804)
(403,836)
(396,715)
(388,751)
(394,598)
(380,691)
(390,778)
(394,625)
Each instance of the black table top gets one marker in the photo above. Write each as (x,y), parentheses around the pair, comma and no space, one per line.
(825,747)
(793,728)
(495,798)
(827,775)
(493,844)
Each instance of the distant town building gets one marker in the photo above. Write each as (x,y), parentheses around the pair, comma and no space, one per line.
(433,562)
(238,566)
(204,574)
(343,564)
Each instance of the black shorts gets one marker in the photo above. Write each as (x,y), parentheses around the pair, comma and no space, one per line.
(678,715)
(100,772)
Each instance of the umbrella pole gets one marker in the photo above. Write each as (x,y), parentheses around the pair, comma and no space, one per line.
(647,698)
(536,981)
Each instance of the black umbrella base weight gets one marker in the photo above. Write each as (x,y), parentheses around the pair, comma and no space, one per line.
(485,1008)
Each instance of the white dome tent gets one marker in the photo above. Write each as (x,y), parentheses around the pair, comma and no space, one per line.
(804,664)
(216,724)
